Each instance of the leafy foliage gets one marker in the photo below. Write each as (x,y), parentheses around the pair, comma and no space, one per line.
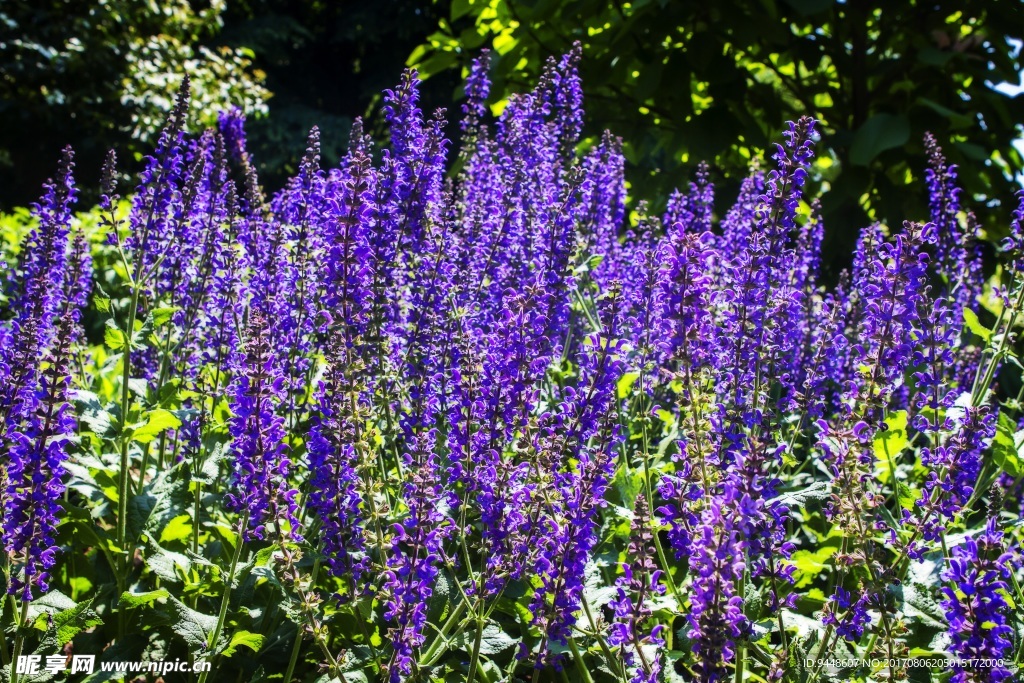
(686,82)
(385,426)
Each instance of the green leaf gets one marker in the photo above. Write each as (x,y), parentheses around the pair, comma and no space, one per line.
(253,641)
(492,641)
(1004,447)
(626,382)
(209,470)
(132,600)
(161,500)
(102,303)
(157,421)
(879,133)
(818,490)
(890,443)
(194,627)
(166,564)
(159,316)
(178,529)
(461,8)
(113,337)
(975,326)
(810,564)
(62,616)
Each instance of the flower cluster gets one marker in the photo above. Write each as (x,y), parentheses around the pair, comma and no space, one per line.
(479,417)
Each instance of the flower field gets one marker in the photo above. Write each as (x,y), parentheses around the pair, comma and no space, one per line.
(446,414)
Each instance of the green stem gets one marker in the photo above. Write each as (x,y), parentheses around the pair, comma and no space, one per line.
(124,475)
(297,645)
(439,640)
(474,659)
(19,640)
(741,650)
(613,662)
(195,517)
(579,661)
(222,616)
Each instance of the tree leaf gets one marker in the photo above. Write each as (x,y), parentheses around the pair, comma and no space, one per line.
(879,133)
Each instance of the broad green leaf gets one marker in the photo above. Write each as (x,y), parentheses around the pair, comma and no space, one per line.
(975,326)
(253,641)
(1004,447)
(157,421)
(131,600)
(161,500)
(194,627)
(626,382)
(159,316)
(890,443)
(178,529)
(113,337)
(493,640)
(809,564)
(62,617)
(167,564)
(878,134)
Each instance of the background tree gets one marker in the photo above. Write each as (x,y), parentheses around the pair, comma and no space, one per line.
(682,82)
(326,63)
(103,73)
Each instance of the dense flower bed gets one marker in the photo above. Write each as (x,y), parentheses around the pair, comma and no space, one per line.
(400,423)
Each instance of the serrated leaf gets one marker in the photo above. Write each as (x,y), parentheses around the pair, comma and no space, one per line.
(209,470)
(113,337)
(1004,447)
(178,529)
(194,627)
(921,604)
(975,326)
(161,315)
(156,422)
(62,618)
(253,641)
(493,640)
(888,444)
(132,600)
(818,490)
(167,564)
(160,501)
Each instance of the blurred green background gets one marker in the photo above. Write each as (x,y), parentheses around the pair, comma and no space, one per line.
(678,81)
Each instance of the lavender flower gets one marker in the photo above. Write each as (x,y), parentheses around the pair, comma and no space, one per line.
(260,488)
(638,585)
(716,615)
(37,445)
(412,567)
(976,606)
